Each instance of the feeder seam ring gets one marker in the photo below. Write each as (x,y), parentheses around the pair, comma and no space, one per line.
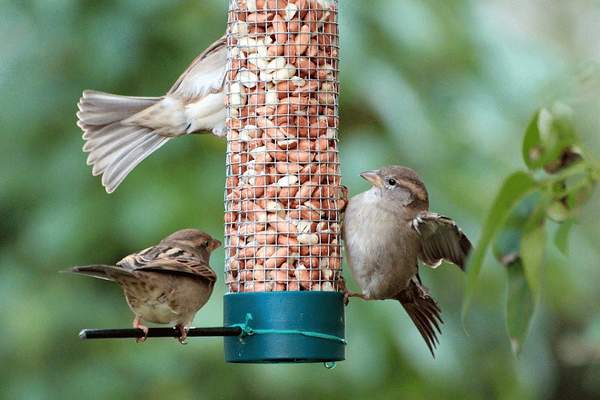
(247,330)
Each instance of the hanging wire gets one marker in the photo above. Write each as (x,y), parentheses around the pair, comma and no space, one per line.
(248,330)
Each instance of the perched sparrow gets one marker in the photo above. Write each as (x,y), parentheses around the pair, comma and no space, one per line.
(386,230)
(121,131)
(167,283)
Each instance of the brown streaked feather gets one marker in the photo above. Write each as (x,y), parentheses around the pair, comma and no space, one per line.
(441,239)
(171,259)
(424,311)
(182,266)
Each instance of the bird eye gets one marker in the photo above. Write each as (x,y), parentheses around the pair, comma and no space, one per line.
(391,182)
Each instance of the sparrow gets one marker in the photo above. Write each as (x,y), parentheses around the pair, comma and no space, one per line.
(386,230)
(121,131)
(166,283)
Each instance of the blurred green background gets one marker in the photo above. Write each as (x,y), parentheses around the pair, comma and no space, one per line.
(444,87)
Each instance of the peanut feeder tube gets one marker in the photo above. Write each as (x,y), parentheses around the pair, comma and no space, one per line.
(283,197)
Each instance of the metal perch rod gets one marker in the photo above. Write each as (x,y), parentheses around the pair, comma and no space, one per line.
(157,332)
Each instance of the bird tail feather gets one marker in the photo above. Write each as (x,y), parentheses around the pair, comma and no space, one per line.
(424,311)
(115,147)
(106,272)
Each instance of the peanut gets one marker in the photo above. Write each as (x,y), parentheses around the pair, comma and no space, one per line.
(283,194)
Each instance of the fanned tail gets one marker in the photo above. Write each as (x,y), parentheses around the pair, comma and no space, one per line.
(115,148)
(424,311)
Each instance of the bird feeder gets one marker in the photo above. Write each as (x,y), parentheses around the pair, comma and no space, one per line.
(283,195)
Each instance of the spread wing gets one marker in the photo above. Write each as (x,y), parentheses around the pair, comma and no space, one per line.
(169,259)
(441,239)
(205,75)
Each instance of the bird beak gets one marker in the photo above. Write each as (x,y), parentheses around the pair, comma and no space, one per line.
(214,244)
(373,178)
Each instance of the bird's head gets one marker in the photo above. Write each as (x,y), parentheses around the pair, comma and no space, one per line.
(398,184)
(194,239)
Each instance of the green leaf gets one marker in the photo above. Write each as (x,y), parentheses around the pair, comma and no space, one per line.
(520,305)
(507,243)
(524,219)
(515,188)
(532,145)
(548,134)
(563,123)
(533,244)
(561,237)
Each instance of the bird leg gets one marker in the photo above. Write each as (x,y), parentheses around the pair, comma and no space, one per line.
(183,332)
(137,323)
(348,294)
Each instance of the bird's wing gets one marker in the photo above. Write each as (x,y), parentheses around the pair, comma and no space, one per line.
(169,259)
(205,75)
(441,239)
(423,310)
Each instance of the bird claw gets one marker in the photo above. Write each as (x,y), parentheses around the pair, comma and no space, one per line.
(183,332)
(138,325)
(348,294)
(346,298)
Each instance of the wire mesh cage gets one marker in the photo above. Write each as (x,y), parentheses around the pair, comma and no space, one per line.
(283,198)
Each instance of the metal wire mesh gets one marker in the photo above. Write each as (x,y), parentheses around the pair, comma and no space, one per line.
(283,191)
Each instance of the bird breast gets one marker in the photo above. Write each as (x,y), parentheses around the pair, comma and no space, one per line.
(381,249)
(166,299)
(207,113)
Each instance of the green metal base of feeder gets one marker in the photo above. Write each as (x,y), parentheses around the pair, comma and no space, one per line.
(285,327)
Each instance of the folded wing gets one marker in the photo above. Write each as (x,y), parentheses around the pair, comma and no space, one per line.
(169,259)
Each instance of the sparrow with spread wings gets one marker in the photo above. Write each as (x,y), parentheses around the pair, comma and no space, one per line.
(167,283)
(121,131)
(387,229)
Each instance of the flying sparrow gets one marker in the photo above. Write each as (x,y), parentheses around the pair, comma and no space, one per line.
(167,283)
(121,131)
(386,230)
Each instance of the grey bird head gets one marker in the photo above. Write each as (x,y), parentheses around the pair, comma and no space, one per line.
(198,241)
(398,184)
